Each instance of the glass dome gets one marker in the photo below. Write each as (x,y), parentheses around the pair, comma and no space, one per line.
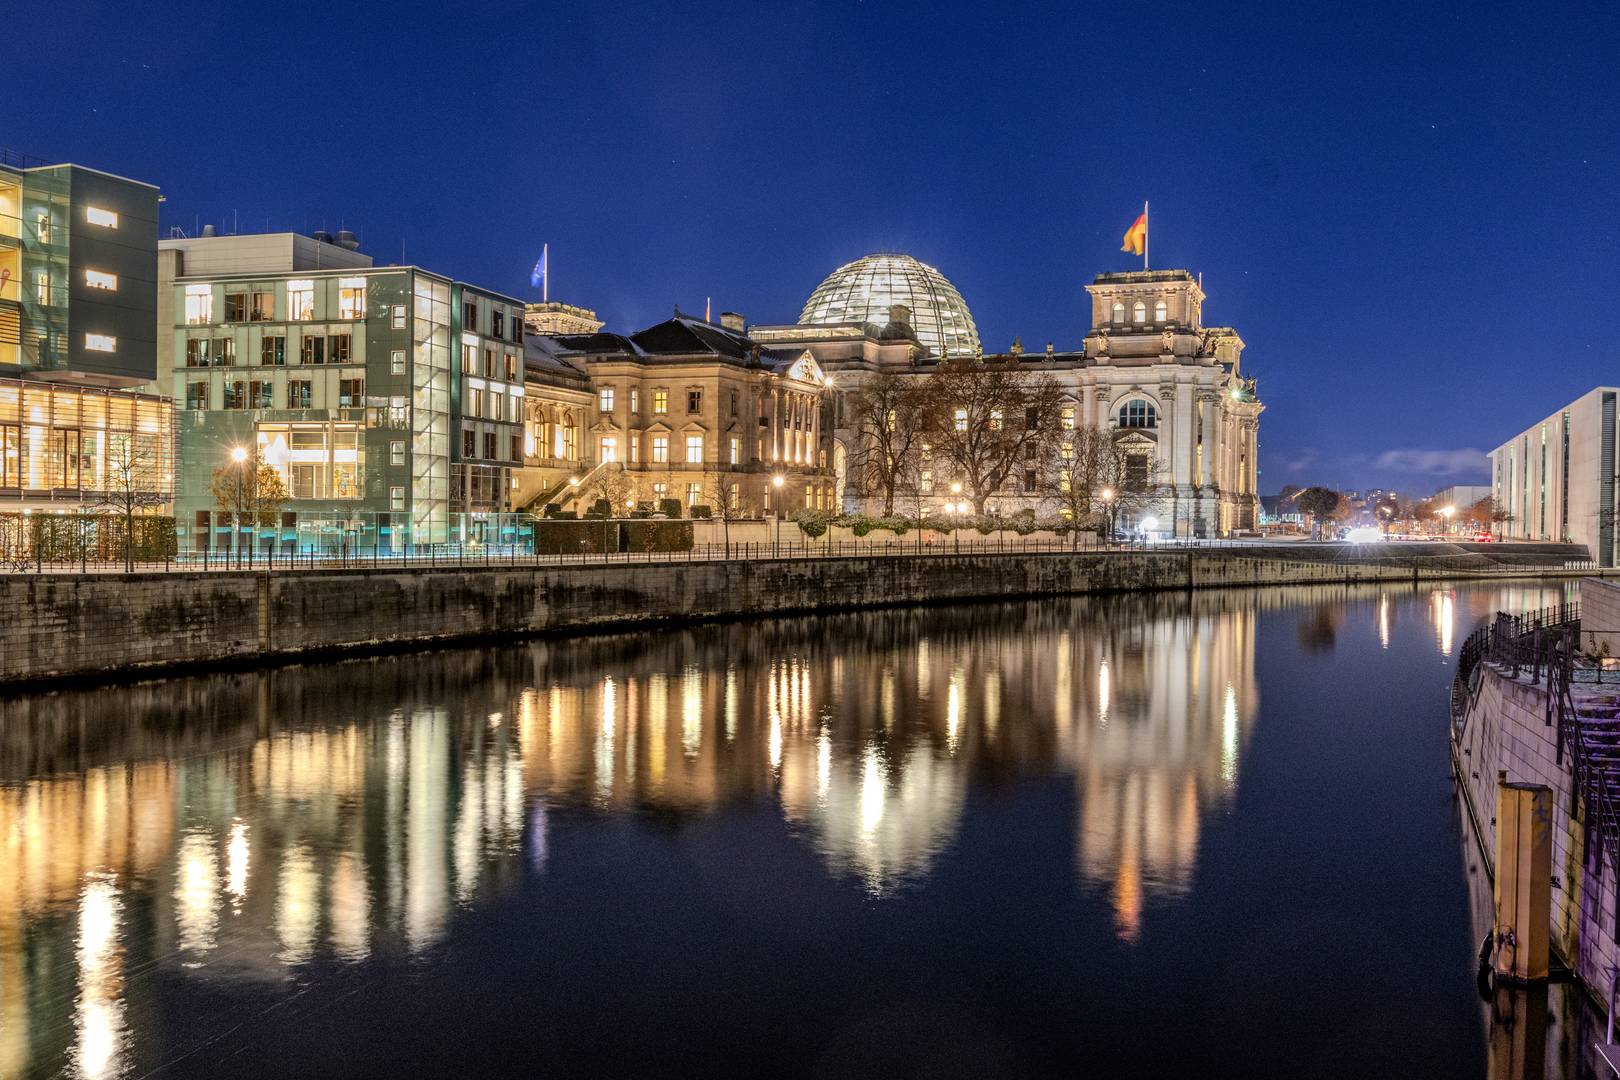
(864,290)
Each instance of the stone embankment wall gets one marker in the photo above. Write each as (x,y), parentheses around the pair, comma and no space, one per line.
(55,626)
(1506,730)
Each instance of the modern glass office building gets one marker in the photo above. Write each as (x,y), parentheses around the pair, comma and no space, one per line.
(388,399)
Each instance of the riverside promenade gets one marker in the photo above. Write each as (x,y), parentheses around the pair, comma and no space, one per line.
(66,626)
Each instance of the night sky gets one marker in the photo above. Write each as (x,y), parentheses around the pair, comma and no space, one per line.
(1409,211)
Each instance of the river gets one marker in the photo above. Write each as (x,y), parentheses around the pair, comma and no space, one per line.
(1197,834)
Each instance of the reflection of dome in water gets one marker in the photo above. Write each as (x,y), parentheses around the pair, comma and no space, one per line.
(881,822)
(864,290)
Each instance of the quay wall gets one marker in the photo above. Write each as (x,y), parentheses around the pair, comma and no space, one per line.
(56,626)
(1505,731)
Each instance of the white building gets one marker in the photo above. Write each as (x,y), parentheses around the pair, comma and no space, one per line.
(1149,370)
(1556,479)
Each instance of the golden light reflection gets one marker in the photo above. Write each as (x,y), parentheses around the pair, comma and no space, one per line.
(196,892)
(237,859)
(99,1020)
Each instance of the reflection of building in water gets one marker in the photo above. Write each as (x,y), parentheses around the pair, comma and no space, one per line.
(289,845)
(1160,712)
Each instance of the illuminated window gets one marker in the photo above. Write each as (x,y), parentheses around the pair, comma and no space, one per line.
(95,215)
(610,448)
(1138,414)
(960,419)
(925,482)
(1067,450)
(1139,312)
(301,299)
(1068,417)
(264,307)
(1161,312)
(1119,312)
(299,394)
(604,399)
(995,419)
(101,343)
(196,396)
(396,453)
(660,448)
(352,298)
(396,362)
(694,449)
(635,400)
(660,401)
(396,498)
(317,461)
(736,450)
(694,492)
(273,350)
(98,279)
(199,304)
(397,319)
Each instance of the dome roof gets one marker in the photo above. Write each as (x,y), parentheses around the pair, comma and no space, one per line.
(864,290)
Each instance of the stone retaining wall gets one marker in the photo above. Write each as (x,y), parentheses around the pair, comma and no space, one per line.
(55,626)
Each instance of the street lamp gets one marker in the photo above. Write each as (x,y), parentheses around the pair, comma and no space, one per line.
(1446,512)
(239,456)
(1108,511)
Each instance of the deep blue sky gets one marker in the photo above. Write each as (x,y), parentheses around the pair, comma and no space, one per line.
(1409,211)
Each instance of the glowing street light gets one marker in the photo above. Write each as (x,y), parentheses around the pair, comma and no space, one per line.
(239,454)
(1108,510)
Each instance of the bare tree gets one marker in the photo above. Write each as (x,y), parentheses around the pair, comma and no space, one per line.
(727,503)
(248,489)
(617,487)
(988,418)
(1321,504)
(1078,477)
(131,485)
(889,416)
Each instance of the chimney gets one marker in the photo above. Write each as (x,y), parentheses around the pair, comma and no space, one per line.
(208,230)
(731,320)
(346,240)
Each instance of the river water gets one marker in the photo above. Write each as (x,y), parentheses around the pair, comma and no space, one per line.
(1205,835)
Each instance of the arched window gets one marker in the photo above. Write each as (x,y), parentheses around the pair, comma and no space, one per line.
(1138,414)
(1119,311)
(1161,312)
(1139,312)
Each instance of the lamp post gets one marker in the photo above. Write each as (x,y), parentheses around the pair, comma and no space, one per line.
(1108,513)
(1446,512)
(776,506)
(955,508)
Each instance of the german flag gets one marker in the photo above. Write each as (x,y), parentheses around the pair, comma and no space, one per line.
(1136,235)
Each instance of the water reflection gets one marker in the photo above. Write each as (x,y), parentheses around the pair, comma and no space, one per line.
(246,828)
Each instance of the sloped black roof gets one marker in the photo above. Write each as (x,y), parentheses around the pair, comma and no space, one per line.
(683,336)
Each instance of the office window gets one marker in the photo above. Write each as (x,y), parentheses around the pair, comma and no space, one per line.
(511,367)
(396,498)
(1067,417)
(660,449)
(236,395)
(1139,312)
(469,316)
(313,350)
(95,215)
(604,399)
(101,343)
(42,226)
(299,394)
(399,413)
(1029,481)
(694,492)
(610,448)
(469,443)
(397,320)
(351,393)
(338,349)
(959,419)
(396,452)
(1066,451)
(300,299)
(264,307)
(315,462)
(694,449)
(925,481)
(694,401)
(259,394)
(1119,312)
(351,298)
(660,491)
(660,402)
(475,402)
(736,450)
(635,448)
(489,363)
(635,400)
(733,398)
(396,362)
(196,396)
(490,446)
(497,323)
(199,305)
(198,353)
(236,307)
(224,351)
(1136,471)
(1161,311)
(273,350)
(1138,414)
(100,279)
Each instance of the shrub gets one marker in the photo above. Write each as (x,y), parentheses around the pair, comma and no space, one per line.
(1023,522)
(601,508)
(897,525)
(638,515)
(812,523)
(660,535)
(700,510)
(987,525)
(861,525)
(670,508)
(551,510)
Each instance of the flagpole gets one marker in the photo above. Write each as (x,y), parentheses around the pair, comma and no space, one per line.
(1145,231)
(545,273)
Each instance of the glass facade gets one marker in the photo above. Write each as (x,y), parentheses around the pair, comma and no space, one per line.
(34,268)
(72,444)
(864,290)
